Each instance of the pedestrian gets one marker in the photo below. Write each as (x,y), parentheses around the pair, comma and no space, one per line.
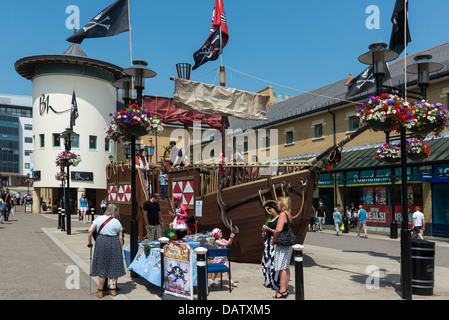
(221,243)
(83,207)
(163,180)
(108,255)
(361,221)
(418,223)
(321,215)
(337,220)
(153,218)
(103,206)
(2,210)
(271,276)
(282,254)
(180,216)
(311,226)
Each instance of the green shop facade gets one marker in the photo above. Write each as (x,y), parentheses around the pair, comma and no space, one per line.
(360,180)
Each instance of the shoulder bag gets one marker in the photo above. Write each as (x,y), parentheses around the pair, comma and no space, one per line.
(95,233)
(286,238)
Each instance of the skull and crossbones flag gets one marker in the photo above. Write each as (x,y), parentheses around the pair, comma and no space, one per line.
(110,22)
(217,40)
(397,39)
(74,114)
(365,82)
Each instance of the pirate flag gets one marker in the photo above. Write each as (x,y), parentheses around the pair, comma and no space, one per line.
(397,43)
(73,111)
(365,81)
(217,40)
(110,22)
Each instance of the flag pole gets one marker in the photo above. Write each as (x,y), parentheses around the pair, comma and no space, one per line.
(130,48)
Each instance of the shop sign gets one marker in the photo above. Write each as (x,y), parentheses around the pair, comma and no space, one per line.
(441,174)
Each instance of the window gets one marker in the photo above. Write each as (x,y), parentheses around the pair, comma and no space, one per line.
(28,127)
(319,130)
(42,140)
(353,123)
(28,152)
(93,142)
(28,140)
(27,166)
(107,145)
(75,141)
(56,140)
(289,137)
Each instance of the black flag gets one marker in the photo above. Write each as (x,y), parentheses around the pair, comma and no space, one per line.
(210,50)
(397,43)
(73,111)
(110,22)
(364,82)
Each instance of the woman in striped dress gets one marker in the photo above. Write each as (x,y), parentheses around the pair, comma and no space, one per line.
(271,276)
(108,255)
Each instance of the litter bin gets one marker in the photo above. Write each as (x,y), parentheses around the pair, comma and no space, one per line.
(423,266)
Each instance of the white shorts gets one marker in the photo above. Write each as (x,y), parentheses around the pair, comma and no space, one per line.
(83,209)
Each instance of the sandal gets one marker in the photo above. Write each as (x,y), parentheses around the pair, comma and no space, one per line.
(282,295)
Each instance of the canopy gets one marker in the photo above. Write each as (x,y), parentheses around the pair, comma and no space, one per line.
(211,99)
(163,107)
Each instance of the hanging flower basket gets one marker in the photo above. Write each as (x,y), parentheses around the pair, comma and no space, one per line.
(428,117)
(61,176)
(133,122)
(67,158)
(385,113)
(417,150)
(388,153)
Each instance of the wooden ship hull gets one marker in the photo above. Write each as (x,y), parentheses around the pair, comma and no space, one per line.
(229,199)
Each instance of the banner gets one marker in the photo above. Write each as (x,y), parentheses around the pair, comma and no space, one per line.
(379,215)
(178,270)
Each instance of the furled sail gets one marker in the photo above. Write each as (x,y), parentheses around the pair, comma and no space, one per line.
(211,99)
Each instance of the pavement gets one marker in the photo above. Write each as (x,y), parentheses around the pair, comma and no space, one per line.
(39,261)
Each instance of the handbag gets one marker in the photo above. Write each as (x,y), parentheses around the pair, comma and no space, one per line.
(286,238)
(342,227)
(95,233)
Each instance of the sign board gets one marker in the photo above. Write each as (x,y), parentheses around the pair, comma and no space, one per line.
(178,270)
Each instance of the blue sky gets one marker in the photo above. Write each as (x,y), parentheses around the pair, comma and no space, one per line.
(296,43)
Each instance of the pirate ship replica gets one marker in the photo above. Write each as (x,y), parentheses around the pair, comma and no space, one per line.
(230,197)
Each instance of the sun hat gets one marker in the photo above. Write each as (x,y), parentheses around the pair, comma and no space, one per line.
(215,232)
(177,198)
(271,204)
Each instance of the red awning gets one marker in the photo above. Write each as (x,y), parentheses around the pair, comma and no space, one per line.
(164,108)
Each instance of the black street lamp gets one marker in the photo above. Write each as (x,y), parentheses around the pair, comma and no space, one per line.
(139,71)
(378,56)
(67,136)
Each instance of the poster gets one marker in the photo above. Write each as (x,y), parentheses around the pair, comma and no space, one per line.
(368,195)
(381,195)
(178,270)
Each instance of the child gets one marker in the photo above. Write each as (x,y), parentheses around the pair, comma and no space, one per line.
(170,233)
(163,179)
(221,243)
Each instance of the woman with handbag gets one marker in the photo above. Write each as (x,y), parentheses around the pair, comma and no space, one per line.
(283,239)
(108,256)
(271,276)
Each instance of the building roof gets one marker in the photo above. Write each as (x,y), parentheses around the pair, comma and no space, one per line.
(333,95)
(73,55)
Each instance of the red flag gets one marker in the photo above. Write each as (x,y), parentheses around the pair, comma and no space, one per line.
(219,19)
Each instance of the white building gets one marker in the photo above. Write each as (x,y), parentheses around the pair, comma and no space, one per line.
(55,78)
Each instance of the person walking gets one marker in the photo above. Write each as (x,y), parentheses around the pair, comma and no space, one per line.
(282,254)
(311,226)
(337,220)
(361,221)
(418,223)
(153,218)
(271,276)
(321,215)
(107,261)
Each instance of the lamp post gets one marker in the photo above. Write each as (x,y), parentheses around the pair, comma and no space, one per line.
(139,72)
(67,135)
(150,148)
(378,56)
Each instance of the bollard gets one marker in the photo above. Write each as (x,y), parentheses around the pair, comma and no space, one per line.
(92,214)
(299,272)
(59,218)
(163,241)
(201,267)
(63,219)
